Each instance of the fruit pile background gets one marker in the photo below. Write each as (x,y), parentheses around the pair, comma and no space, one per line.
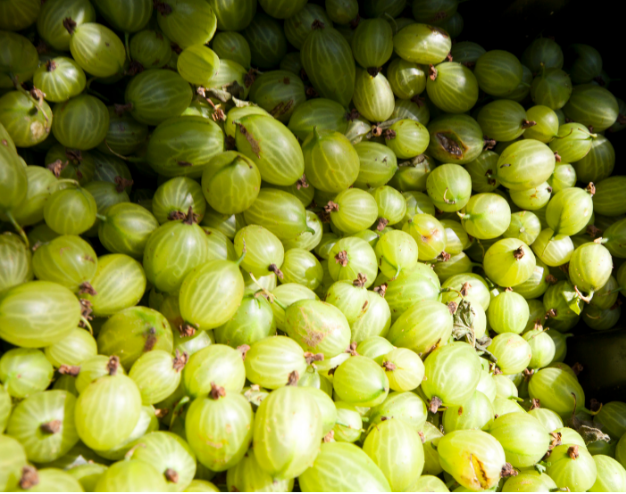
(319,245)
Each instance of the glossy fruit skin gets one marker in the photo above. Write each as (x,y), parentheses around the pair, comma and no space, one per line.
(78,346)
(132,332)
(80,123)
(157,95)
(50,20)
(610,418)
(455,88)
(279,92)
(177,240)
(40,409)
(151,49)
(123,475)
(486,216)
(455,139)
(15,261)
(279,212)
(113,402)
(302,267)
(68,260)
(232,15)
(20,59)
(498,72)
(288,412)
(477,413)
(397,450)
(611,475)
(41,184)
(268,44)
(331,163)
(325,114)
(592,106)
(472,446)
(573,142)
(551,88)
(37,313)
(361,259)
(361,381)
(449,186)
(598,164)
(18,15)
(591,266)
(203,140)
(272,147)
(350,459)
(556,387)
(325,51)
(214,285)
(410,288)
(318,327)
(410,140)
(178,195)
(190,22)
(97,49)
(13,459)
(197,64)
(421,43)
(525,164)
(126,229)
(24,372)
(607,200)
(26,124)
(357,210)
(263,249)
(503,267)
(407,79)
(373,97)
(248,476)
(576,474)
(372,43)
(446,361)
(508,313)
(125,16)
(219,447)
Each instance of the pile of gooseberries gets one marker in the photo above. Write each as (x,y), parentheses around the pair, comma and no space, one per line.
(278,245)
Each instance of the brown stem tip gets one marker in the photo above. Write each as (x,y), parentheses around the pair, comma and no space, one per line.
(85,309)
(274,269)
(432,73)
(293,378)
(444,256)
(591,189)
(162,7)
(313,357)
(374,71)
(452,307)
(190,217)
(186,330)
(51,427)
(113,364)
(551,279)
(352,349)
(557,157)
(69,370)
(527,124)
(342,258)
(329,437)
(572,452)
(317,24)
(243,349)
(122,183)
(217,392)
(508,471)
(389,366)
(360,281)
(381,290)
(86,288)
(57,167)
(489,144)
(180,361)
(151,340)
(434,403)
(171,475)
(389,134)
(69,24)
(518,253)
(51,65)
(465,289)
(382,223)
(577,368)
(302,183)
(555,440)
(29,478)
(331,207)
